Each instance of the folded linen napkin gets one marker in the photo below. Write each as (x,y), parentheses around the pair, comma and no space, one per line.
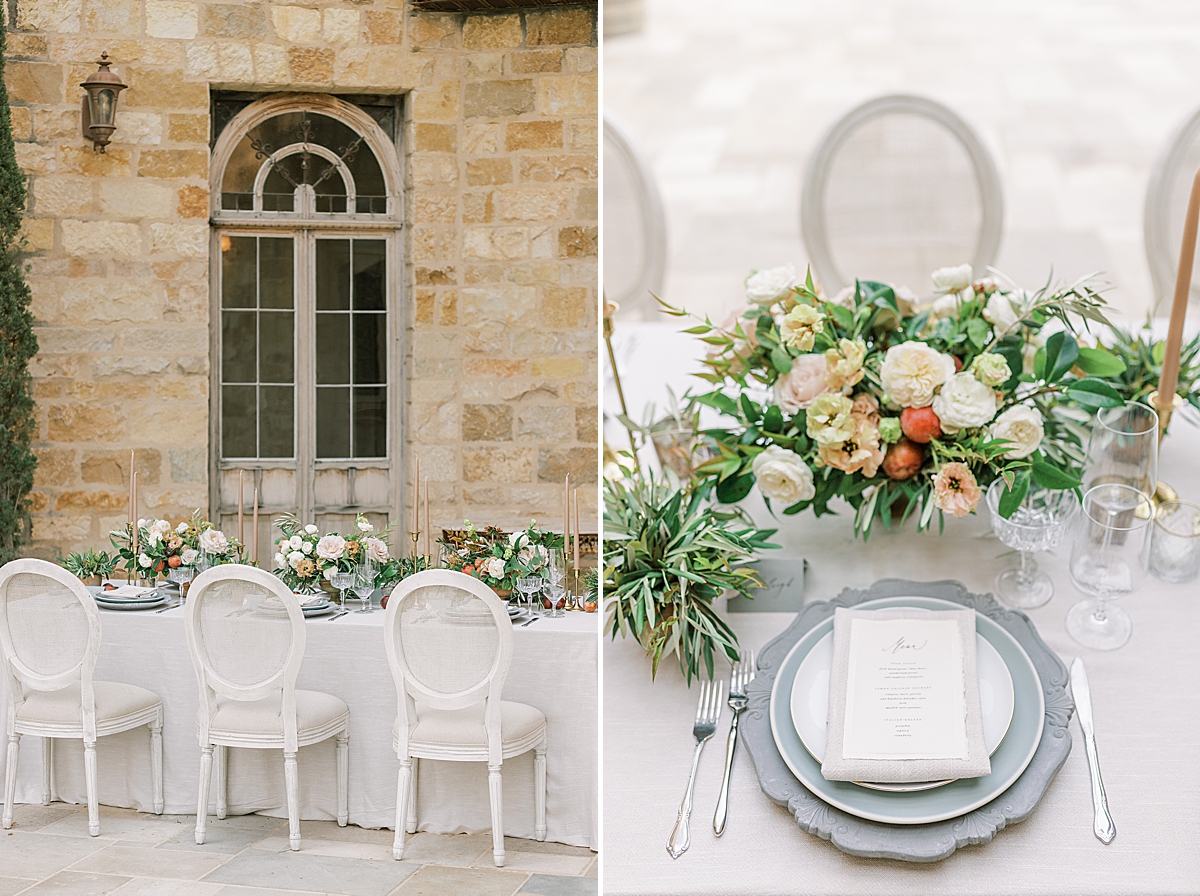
(126,592)
(975,762)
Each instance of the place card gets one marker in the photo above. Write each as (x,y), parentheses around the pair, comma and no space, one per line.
(904,690)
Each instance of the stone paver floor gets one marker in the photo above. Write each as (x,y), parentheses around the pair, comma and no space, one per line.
(48,851)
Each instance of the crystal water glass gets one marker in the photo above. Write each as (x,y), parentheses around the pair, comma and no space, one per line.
(529,586)
(1123,448)
(1039,524)
(1175,551)
(181,576)
(364,585)
(1110,556)
(343,582)
(558,601)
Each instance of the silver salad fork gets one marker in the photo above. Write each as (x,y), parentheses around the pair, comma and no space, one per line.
(708,711)
(739,678)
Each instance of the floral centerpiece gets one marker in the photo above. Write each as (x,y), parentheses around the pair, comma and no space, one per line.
(897,407)
(304,557)
(161,546)
(498,559)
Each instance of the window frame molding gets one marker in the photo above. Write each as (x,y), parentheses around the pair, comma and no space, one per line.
(305,230)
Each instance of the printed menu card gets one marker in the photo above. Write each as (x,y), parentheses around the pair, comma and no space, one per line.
(904,697)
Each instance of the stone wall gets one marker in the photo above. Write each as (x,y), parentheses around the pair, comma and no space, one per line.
(500,157)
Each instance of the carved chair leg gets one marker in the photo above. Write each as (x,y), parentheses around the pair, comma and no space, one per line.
(291,777)
(206,763)
(47,766)
(10,778)
(539,791)
(495,790)
(221,758)
(343,777)
(403,789)
(89,775)
(411,827)
(156,761)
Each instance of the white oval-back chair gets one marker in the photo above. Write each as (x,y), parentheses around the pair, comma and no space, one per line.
(897,188)
(449,644)
(1166,205)
(49,642)
(635,230)
(246,635)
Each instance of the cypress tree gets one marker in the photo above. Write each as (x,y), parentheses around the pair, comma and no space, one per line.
(17,342)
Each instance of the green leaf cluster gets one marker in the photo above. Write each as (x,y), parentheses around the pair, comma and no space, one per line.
(668,554)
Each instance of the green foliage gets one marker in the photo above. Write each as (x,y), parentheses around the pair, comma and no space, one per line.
(669,553)
(1142,359)
(17,344)
(93,563)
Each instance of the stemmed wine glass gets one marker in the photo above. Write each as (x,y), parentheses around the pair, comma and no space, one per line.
(343,582)
(529,586)
(1037,525)
(1123,448)
(1109,558)
(181,575)
(364,585)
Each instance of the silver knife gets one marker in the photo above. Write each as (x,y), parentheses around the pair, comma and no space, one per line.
(1102,824)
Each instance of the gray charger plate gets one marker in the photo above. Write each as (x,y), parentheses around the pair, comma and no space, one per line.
(923,842)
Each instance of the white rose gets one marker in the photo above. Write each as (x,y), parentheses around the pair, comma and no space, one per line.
(907,300)
(329,573)
(142,524)
(1021,426)
(162,527)
(845,297)
(306,547)
(280,561)
(155,536)
(948,305)
(213,541)
(295,557)
(311,529)
(181,528)
(144,560)
(495,568)
(999,312)
(296,541)
(377,550)
(964,403)
(769,286)
(955,279)
(800,386)
(331,547)
(783,475)
(911,372)
(364,526)
(188,557)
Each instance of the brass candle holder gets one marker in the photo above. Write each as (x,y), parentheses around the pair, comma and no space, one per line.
(1163,492)
(415,536)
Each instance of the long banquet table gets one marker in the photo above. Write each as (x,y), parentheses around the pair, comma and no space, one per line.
(1146,698)
(554,668)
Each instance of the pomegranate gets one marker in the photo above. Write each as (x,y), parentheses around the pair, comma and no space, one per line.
(920,424)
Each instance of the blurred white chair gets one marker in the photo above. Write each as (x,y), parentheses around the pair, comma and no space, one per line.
(896,189)
(1166,206)
(449,644)
(246,635)
(49,641)
(635,231)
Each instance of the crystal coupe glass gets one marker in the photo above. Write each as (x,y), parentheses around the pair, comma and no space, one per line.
(1039,524)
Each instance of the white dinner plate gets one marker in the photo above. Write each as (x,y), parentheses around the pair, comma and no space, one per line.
(810,703)
(144,604)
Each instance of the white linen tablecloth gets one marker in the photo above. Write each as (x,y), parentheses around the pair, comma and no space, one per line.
(1146,699)
(554,669)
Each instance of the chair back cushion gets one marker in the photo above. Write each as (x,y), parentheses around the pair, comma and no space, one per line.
(899,187)
(246,630)
(49,624)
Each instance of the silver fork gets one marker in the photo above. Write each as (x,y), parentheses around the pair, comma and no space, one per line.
(739,678)
(708,711)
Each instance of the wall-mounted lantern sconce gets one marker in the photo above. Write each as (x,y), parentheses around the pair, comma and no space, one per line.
(100,104)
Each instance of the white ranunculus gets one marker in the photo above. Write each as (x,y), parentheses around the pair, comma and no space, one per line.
(188,557)
(955,279)
(329,573)
(999,312)
(783,475)
(155,536)
(330,547)
(307,547)
(964,403)
(144,560)
(280,561)
(1022,426)
(311,529)
(296,541)
(769,286)
(495,568)
(377,550)
(181,528)
(162,527)
(213,541)
(912,371)
(142,523)
(364,526)
(295,557)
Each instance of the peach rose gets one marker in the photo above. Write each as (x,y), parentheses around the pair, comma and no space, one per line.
(800,387)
